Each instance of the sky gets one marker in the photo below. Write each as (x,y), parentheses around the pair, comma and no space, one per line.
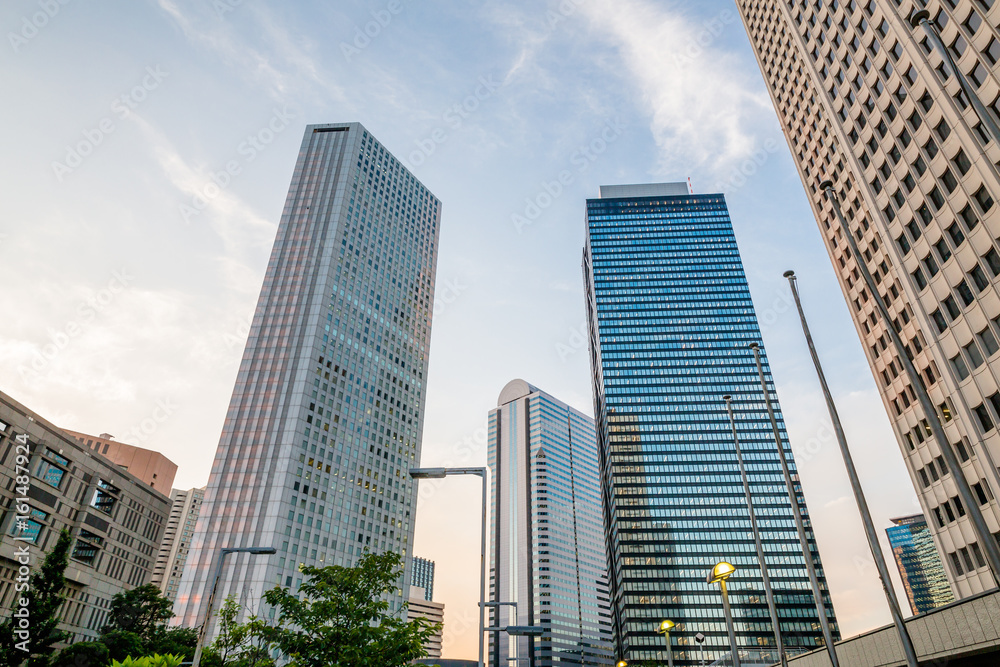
(146,151)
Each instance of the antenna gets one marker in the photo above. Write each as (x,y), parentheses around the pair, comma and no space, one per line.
(690,187)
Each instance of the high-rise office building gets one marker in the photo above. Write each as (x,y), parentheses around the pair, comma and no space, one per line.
(327,412)
(116,519)
(865,101)
(919,564)
(670,318)
(422,576)
(184,509)
(547,550)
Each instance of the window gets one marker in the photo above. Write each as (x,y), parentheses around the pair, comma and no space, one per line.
(28,529)
(984,199)
(962,162)
(87,547)
(965,292)
(961,370)
(984,418)
(49,473)
(989,341)
(979,277)
(975,356)
(952,307)
(105,497)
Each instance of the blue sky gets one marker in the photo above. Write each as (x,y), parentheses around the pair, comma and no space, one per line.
(148,146)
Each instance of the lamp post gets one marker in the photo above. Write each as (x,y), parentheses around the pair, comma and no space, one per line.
(769,593)
(922,19)
(982,531)
(719,574)
(254,551)
(700,638)
(665,627)
(859,494)
(441,473)
(793,498)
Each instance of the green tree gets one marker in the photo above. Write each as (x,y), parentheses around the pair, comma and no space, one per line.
(238,644)
(342,618)
(43,596)
(84,654)
(174,641)
(122,644)
(143,611)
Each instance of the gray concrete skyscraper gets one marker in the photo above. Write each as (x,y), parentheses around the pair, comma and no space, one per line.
(548,547)
(867,102)
(328,409)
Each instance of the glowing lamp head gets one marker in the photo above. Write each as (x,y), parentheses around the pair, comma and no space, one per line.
(667,626)
(622,663)
(721,572)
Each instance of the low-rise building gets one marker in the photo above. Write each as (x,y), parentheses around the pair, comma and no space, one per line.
(419,607)
(151,467)
(50,482)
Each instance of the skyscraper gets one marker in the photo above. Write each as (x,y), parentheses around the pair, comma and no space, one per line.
(919,564)
(327,413)
(422,576)
(865,101)
(548,553)
(670,318)
(176,545)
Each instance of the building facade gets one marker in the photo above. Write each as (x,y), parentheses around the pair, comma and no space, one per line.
(184,509)
(151,467)
(327,412)
(421,606)
(671,318)
(422,575)
(866,102)
(547,547)
(116,519)
(919,564)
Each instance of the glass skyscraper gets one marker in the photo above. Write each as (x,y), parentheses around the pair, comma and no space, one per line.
(670,318)
(919,564)
(327,413)
(548,552)
(422,575)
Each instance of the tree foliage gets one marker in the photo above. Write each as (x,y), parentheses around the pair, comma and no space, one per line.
(83,654)
(343,620)
(44,595)
(238,644)
(142,610)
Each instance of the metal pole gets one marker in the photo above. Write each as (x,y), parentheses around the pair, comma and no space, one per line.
(196,661)
(859,494)
(986,538)
(729,623)
(670,650)
(797,513)
(922,19)
(771,606)
(482,578)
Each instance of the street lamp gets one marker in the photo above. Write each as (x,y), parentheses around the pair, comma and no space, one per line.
(922,19)
(225,551)
(768,592)
(982,531)
(665,628)
(622,663)
(441,473)
(700,638)
(859,494)
(800,526)
(719,574)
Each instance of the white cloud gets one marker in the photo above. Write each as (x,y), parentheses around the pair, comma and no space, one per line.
(703,109)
